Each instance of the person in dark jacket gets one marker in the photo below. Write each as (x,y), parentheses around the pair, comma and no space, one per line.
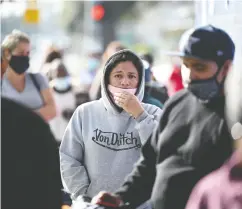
(30,160)
(223,187)
(192,138)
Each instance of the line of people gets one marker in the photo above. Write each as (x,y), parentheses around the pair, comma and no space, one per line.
(165,152)
(191,140)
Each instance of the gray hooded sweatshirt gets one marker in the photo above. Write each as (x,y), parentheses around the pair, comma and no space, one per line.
(101,144)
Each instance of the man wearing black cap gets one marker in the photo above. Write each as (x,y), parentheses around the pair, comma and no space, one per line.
(192,138)
(223,187)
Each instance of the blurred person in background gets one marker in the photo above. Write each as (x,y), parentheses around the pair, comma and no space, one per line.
(53,54)
(176,80)
(93,63)
(30,176)
(29,89)
(111,49)
(148,57)
(65,100)
(192,138)
(223,187)
(95,90)
(103,139)
(64,97)
(153,88)
(148,98)
(175,83)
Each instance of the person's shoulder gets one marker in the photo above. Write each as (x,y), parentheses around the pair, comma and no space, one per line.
(38,76)
(151,108)
(183,94)
(211,182)
(89,106)
(179,103)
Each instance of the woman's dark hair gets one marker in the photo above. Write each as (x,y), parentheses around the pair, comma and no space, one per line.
(52,56)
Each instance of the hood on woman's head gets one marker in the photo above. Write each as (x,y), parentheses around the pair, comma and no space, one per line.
(122,56)
(117,58)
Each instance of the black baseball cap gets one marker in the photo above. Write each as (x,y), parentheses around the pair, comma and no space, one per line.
(208,43)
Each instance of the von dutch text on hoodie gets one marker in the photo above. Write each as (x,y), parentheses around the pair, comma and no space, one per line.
(103,142)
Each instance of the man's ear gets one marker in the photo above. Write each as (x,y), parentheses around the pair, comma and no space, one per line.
(225,70)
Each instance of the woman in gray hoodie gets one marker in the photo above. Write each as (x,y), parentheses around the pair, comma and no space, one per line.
(103,138)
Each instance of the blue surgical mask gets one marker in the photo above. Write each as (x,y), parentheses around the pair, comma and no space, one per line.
(206,89)
(93,64)
(62,84)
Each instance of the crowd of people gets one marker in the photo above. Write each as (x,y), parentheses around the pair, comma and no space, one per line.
(135,143)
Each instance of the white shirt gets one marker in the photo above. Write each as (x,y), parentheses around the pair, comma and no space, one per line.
(59,123)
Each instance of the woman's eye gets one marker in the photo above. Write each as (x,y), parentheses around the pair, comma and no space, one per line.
(132,76)
(117,76)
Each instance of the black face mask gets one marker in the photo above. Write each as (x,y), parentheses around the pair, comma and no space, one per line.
(19,63)
(207,89)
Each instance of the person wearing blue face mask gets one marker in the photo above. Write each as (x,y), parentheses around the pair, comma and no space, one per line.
(192,138)
(62,83)
(93,64)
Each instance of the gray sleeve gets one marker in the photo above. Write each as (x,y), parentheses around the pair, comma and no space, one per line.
(73,172)
(42,81)
(147,122)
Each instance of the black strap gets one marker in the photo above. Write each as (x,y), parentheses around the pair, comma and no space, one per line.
(36,84)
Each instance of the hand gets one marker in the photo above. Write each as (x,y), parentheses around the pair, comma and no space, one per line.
(82,202)
(129,103)
(107,199)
